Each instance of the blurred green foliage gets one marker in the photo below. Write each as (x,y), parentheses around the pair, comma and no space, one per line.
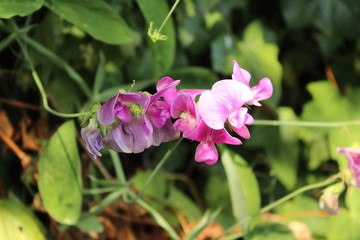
(84,51)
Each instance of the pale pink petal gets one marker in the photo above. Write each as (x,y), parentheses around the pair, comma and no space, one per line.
(262,91)
(237,117)
(240,74)
(213,110)
(206,152)
(204,133)
(231,94)
(242,131)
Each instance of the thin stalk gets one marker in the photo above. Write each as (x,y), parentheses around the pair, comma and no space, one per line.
(328,181)
(291,195)
(45,101)
(120,175)
(305,124)
(159,166)
(169,15)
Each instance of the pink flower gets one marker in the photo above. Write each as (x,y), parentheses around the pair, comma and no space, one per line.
(353,157)
(185,109)
(262,91)
(224,103)
(206,150)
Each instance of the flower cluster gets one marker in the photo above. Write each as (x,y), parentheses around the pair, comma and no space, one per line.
(136,121)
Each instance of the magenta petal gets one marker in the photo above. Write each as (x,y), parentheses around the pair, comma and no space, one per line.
(106,113)
(183,103)
(159,113)
(122,112)
(206,152)
(205,133)
(166,88)
(213,111)
(142,136)
(240,74)
(138,98)
(262,91)
(353,157)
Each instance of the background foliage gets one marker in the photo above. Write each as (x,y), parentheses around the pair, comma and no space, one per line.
(84,51)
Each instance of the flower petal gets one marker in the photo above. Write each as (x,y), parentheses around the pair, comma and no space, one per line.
(240,74)
(206,152)
(262,91)
(106,113)
(213,111)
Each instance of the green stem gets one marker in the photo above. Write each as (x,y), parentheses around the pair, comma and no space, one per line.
(120,175)
(305,124)
(45,101)
(169,15)
(328,181)
(159,166)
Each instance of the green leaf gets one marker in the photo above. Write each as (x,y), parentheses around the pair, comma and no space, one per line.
(89,223)
(244,188)
(10,8)
(298,14)
(94,17)
(60,175)
(183,204)
(255,55)
(194,77)
(157,188)
(344,226)
(270,231)
(18,222)
(163,51)
(296,209)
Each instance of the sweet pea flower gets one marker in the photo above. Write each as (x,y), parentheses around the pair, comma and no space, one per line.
(185,109)
(206,151)
(92,138)
(329,200)
(262,91)
(224,103)
(353,157)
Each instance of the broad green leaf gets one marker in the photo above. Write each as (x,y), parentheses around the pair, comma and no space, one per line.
(10,8)
(89,223)
(163,52)
(344,226)
(253,54)
(157,188)
(60,181)
(95,17)
(270,231)
(352,200)
(194,77)
(298,14)
(285,155)
(306,210)
(183,204)
(18,222)
(244,189)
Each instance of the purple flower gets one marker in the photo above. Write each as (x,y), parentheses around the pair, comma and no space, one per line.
(224,103)
(262,91)
(353,157)
(92,138)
